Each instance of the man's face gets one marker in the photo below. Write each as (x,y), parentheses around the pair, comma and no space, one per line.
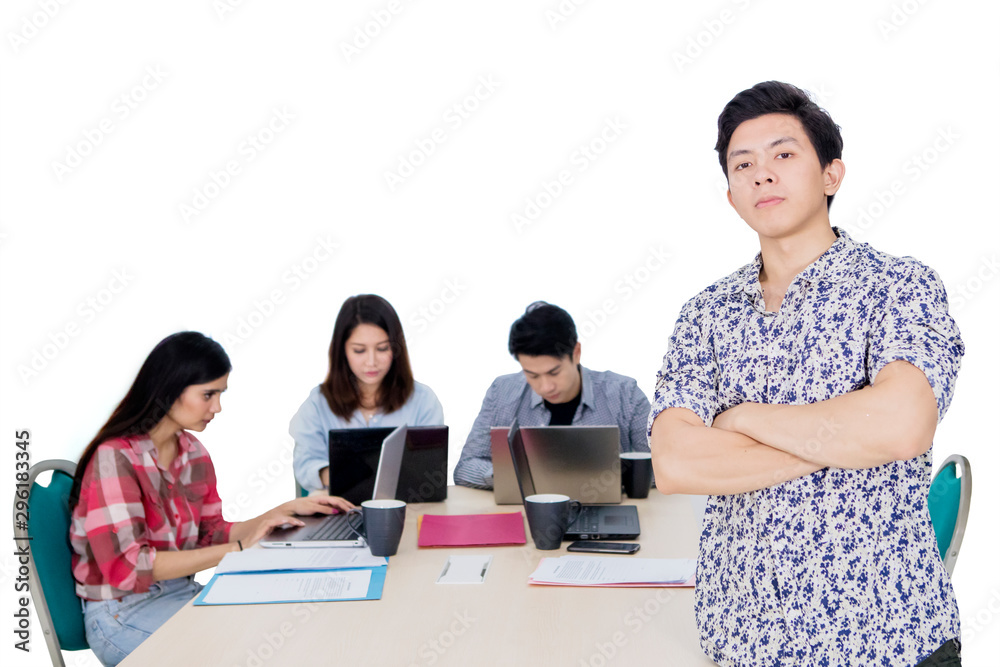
(776,183)
(556,379)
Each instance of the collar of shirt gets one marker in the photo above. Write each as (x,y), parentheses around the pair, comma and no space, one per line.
(143,446)
(586,389)
(834,265)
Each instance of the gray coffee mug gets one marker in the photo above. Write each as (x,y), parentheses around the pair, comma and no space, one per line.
(549,515)
(381,525)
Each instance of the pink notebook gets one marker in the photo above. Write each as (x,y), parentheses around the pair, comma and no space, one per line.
(470,530)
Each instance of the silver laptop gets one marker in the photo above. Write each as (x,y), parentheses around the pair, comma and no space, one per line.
(389,464)
(582,462)
(595,522)
(332,530)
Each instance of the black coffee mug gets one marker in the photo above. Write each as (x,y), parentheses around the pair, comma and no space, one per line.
(549,515)
(637,473)
(381,524)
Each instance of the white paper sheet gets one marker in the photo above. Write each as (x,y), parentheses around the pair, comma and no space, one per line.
(598,570)
(465,569)
(289,587)
(269,560)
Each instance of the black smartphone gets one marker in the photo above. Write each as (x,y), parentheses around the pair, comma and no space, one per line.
(596,547)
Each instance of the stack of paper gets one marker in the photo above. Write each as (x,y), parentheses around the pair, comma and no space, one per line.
(467,530)
(274,560)
(304,586)
(614,571)
(259,576)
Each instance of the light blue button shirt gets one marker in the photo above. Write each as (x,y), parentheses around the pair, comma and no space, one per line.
(310,428)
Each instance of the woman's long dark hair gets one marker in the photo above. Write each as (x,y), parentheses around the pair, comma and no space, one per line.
(341,387)
(177,362)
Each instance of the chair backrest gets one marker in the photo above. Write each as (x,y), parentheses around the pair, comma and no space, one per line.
(948,503)
(53,589)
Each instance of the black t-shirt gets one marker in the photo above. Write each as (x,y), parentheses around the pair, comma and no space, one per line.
(562,413)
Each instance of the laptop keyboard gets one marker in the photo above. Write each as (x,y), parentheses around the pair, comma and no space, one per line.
(334,528)
(587,522)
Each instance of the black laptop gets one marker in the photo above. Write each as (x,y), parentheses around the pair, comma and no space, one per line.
(423,476)
(595,522)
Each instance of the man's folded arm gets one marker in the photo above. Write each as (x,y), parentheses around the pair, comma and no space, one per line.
(689,457)
(914,357)
(893,419)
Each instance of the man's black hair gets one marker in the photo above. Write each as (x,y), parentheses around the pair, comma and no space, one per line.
(776,97)
(543,330)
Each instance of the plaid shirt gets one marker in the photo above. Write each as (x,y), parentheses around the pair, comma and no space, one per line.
(129,507)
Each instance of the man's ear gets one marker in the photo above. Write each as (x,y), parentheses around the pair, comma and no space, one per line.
(576,353)
(833,176)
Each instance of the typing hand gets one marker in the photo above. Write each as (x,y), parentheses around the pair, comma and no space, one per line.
(316,505)
(267,524)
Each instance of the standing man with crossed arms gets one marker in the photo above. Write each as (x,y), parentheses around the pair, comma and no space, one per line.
(802,392)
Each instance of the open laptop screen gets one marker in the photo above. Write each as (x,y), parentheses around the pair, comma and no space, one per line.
(423,474)
(519,459)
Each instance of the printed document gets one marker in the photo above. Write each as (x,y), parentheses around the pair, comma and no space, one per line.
(612,571)
(289,587)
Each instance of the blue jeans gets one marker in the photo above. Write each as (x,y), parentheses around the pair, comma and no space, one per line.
(116,627)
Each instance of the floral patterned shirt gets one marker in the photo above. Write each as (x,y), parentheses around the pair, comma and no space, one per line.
(839,567)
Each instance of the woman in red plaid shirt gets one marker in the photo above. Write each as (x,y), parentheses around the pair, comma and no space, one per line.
(146,511)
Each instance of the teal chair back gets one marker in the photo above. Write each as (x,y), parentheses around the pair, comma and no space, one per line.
(53,589)
(948,503)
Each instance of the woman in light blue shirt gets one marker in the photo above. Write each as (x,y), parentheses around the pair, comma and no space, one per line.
(369,384)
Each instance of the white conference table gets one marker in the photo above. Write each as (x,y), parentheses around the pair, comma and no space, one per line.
(503,621)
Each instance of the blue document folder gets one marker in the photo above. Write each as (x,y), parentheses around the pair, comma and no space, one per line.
(364,583)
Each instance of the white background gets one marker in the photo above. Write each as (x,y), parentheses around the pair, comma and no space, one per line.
(897,76)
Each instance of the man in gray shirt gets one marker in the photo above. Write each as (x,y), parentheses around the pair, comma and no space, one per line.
(553,389)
